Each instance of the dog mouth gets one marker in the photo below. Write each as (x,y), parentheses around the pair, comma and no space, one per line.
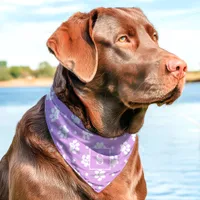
(171,97)
(168,99)
(133,118)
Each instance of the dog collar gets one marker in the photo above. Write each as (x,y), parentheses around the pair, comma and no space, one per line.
(97,160)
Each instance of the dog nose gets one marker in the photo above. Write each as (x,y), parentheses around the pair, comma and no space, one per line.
(177,67)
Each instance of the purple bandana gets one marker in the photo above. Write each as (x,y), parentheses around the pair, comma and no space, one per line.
(97,160)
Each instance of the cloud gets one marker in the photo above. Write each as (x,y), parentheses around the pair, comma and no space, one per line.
(59,10)
(22,2)
(183,43)
(31,2)
(145,1)
(25,43)
(7,8)
(172,13)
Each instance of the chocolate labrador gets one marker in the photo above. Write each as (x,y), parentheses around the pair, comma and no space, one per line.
(111,69)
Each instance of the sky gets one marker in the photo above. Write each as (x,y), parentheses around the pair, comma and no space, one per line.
(25,26)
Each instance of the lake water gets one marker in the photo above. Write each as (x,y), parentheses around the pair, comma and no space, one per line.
(169,140)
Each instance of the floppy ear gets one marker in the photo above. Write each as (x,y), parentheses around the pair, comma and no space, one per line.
(73,45)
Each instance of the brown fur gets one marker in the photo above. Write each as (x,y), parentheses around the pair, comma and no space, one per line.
(109,86)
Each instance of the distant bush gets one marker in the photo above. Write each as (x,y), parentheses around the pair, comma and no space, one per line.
(20,71)
(44,70)
(3,63)
(26,71)
(4,74)
(15,71)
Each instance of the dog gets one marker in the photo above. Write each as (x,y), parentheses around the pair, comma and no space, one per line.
(111,69)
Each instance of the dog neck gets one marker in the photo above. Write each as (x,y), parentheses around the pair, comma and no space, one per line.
(99,110)
(64,91)
(85,105)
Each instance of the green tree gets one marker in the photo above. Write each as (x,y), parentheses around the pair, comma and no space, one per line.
(45,70)
(26,71)
(3,63)
(20,71)
(15,71)
(4,74)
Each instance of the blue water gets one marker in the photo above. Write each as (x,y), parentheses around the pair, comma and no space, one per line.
(169,140)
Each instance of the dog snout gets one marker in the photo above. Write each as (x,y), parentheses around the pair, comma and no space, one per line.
(176,67)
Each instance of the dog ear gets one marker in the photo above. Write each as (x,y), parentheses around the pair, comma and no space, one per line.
(73,45)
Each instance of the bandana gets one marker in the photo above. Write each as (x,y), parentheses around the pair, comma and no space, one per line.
(97,160)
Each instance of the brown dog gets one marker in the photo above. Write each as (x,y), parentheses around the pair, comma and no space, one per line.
(111,70)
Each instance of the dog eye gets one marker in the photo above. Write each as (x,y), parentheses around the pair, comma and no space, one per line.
(123,39)
(155,36)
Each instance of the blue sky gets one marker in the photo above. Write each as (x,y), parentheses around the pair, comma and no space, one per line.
(25,26)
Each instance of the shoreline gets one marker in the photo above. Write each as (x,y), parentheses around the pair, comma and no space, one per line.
(47,82)
(34,82)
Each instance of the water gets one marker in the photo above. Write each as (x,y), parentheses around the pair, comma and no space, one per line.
(169,140)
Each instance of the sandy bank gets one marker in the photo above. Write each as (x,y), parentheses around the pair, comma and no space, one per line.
(193,76)
(40,82)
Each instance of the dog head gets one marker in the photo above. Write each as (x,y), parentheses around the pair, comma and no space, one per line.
(118,67)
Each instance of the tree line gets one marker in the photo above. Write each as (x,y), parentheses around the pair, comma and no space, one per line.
(44,69)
